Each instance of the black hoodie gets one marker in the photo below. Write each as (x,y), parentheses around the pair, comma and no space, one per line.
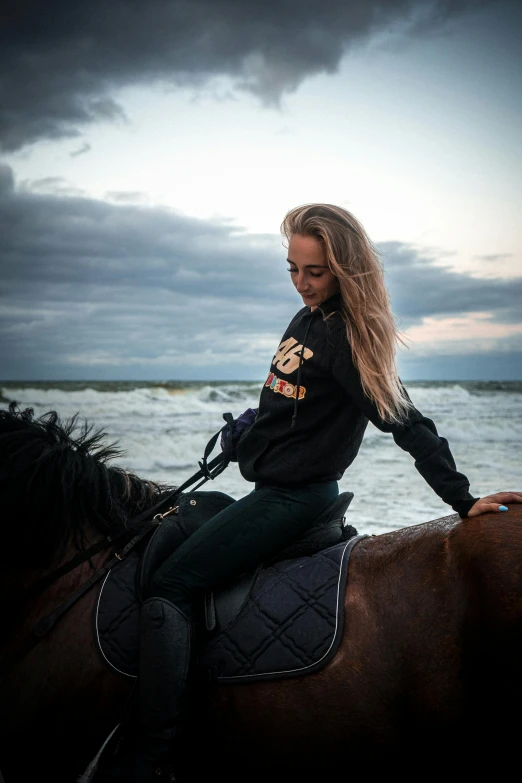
(317,436)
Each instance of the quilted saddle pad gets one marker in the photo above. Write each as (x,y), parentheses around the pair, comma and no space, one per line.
(290,625)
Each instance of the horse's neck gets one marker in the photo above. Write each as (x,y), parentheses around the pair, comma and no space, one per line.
(15,580)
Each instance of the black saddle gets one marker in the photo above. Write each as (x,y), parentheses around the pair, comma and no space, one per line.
(195,508)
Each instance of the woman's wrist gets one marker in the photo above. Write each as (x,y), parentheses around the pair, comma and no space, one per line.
(463,506)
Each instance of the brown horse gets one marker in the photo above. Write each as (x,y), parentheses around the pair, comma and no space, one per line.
(427,679)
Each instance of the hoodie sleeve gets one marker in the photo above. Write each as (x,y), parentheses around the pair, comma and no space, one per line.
(417,435)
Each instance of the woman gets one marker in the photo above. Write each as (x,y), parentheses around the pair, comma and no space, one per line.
(333,371)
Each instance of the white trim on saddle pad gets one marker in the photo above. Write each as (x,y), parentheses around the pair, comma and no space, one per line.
(98,638)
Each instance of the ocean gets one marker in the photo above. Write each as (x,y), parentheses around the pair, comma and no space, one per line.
(163,427)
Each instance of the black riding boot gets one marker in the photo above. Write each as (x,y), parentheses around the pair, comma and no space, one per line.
(148,752)
(165,641)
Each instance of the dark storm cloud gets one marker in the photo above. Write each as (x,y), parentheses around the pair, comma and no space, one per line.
(419,288)
(87,285)
(62,61)
(56,239)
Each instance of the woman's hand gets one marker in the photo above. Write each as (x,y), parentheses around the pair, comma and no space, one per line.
(242,423)
(494,503)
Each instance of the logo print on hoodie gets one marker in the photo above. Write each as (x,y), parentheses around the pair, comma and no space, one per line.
(288,355)
(281,386)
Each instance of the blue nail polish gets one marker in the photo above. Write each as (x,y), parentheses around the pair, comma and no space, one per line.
(503,508)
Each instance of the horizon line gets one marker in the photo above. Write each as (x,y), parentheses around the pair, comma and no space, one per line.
(233,380)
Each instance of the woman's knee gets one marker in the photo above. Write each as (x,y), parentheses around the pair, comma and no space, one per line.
(167,586)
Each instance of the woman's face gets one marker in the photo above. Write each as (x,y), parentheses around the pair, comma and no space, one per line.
(309,271)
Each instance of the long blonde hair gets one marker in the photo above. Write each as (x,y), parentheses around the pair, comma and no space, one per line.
(366,310)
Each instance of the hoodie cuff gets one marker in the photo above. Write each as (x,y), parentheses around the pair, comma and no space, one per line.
(463,506)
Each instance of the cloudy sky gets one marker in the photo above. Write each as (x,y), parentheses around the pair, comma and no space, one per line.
(149,152)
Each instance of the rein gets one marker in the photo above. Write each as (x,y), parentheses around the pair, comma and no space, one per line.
(208,470)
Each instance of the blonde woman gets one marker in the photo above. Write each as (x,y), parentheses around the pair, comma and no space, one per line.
(333,371)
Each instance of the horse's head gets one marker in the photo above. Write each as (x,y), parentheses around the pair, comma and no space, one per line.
(56,487)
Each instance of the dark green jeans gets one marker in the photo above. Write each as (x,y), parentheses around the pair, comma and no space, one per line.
(238,539)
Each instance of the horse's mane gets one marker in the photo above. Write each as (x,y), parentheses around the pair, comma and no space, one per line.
(56,487)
